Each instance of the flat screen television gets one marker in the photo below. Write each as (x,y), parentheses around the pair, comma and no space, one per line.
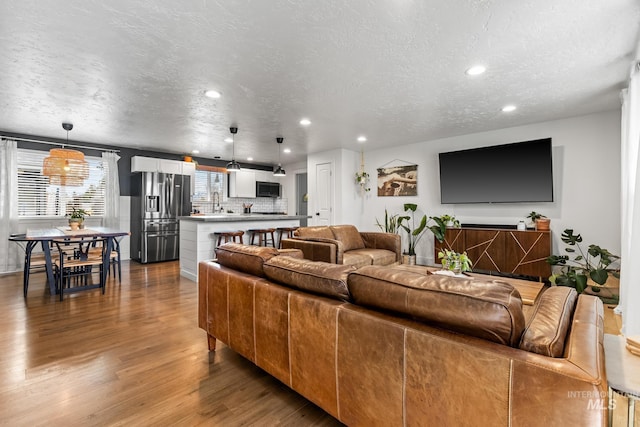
(509,173)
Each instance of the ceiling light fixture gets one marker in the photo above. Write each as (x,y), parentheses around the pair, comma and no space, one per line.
(233,166)
(476,70)
(195,151)
(279,171)
(305,122)
(508,108)
(249,159)
(362,138)
(214,94)
(65,167)
(228,140)
(286,150)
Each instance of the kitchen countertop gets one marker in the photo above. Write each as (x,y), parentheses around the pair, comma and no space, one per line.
(226,217)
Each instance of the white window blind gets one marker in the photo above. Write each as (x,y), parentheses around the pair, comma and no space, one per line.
(37,198)
(208,183)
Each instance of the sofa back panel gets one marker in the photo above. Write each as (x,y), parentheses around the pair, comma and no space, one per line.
(316,277)
(241,312)
(450,380)
(272,330)
(313,341)
(245,258)
(217,302)
(348,235)
(559,399)
(370,369)
(491,310)
(322,232)
(547,328)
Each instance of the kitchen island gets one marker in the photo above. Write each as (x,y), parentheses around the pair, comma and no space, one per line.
(197,234)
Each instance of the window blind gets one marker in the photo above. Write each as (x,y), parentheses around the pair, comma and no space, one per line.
(38,198)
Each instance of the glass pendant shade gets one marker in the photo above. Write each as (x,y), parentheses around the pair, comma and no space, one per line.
(279,171)
(65,167)
(233,166)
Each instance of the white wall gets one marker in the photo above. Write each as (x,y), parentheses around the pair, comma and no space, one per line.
(586,161)
(289,184)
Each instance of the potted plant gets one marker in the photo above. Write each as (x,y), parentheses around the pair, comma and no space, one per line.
(76,218)
(362,179)
(390,223)
(590,269)
(450,221)
(540,221)
(415,233)
(454,261)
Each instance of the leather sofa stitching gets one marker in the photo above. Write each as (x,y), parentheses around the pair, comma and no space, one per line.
(289,337)
(337,369)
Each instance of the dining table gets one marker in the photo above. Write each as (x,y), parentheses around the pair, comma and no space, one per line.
(44,236)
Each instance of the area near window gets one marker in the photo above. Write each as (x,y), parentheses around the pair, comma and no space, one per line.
(38,198)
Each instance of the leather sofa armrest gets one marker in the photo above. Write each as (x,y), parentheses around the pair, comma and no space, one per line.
(389,241)
(316,249)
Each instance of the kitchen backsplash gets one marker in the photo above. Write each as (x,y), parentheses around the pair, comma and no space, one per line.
(260,204)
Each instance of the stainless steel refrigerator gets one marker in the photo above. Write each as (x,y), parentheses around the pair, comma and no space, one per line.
(157,201)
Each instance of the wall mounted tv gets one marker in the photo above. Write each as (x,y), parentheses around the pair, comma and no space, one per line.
(509,173)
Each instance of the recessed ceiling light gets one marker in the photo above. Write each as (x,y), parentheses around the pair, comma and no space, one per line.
(195,151)
(362,138)
(286,150)
(476,70)
(213,94)
(228,140)
(508,108)
(305,122)
(249,159)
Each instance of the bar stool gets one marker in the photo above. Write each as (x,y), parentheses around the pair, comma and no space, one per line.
(286,232)
(264,234)
(229,236)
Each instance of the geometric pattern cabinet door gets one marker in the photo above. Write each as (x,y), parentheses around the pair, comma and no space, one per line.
(485,248)
(526,253)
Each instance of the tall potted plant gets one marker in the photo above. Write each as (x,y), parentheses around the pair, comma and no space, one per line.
(415,232)
(591,268)
(390,224)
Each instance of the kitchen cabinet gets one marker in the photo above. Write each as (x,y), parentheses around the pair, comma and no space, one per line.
(144,164)
(189,168)
(242,184)
(170,166)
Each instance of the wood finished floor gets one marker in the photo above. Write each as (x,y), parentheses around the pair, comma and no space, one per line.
(134,356)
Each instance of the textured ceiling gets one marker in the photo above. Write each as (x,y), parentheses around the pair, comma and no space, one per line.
(133,72)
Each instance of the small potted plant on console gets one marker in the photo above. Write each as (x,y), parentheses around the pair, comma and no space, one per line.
(540,221)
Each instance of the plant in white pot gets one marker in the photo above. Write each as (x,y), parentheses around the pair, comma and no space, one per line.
(76,218)
(415,232)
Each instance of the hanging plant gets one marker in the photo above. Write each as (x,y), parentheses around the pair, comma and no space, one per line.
(362,179)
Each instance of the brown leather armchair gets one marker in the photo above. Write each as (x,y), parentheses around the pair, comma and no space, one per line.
(344,244)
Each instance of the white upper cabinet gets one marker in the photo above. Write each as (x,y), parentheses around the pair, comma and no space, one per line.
(171,166)
(242,184)
(144,164)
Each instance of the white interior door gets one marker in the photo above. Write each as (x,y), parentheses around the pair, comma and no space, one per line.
(323,194)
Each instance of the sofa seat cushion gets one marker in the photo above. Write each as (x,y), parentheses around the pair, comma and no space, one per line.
(378,256)
(322,232)
(355,259)
(349,236)
(490,310)
(549,324)
(245,258)
(316,277)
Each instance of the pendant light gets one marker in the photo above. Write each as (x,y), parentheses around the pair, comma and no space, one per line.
(65,167)
(233,166)
(279,171)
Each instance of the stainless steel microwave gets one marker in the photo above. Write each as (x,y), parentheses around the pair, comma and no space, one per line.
(267,189)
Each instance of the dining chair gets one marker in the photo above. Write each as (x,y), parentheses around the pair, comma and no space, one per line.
(114,257)
(76,260)
(32,262)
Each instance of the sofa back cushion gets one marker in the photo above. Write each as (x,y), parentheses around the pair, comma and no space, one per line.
(491,310)
(245,258)
(311,276)
(349,236)
(322,232)
(549,324)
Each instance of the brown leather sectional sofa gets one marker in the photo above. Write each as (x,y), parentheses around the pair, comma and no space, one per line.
(390,347)
(344,244)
